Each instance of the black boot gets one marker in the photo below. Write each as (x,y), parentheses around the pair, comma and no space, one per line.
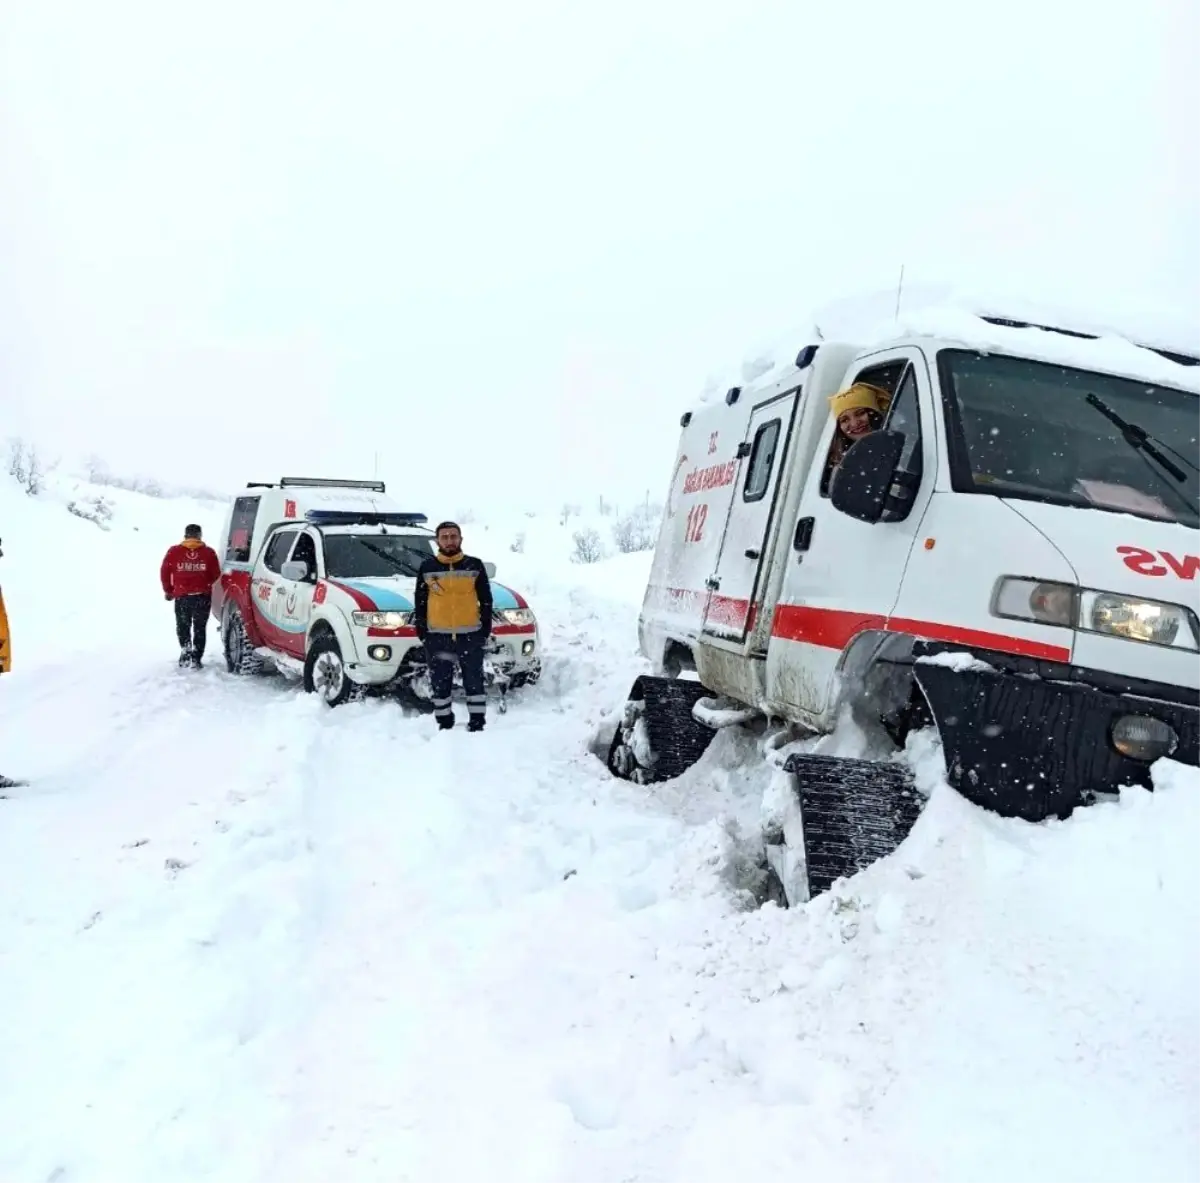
(185,656)
(445,722)
(475,723)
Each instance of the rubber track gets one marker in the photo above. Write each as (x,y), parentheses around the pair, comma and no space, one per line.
(854,813)
(675,737)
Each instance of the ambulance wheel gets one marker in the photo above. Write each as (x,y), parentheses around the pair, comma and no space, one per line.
(240,657)
(325,671)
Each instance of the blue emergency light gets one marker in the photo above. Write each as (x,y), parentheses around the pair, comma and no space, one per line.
(361,517)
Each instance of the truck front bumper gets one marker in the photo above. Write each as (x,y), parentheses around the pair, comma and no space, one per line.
(1033,741)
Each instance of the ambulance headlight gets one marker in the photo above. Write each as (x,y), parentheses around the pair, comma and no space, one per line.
(1139,620)
(381,619)
(1035,599)
(1110,613)
(516,615)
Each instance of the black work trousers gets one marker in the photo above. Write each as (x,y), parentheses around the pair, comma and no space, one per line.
(444,649)
(191,622)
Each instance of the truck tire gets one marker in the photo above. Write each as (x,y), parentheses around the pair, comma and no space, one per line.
(240,657)
(325,671)
(854,812)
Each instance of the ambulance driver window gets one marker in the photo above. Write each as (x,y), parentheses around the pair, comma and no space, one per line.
(762,461)
(857,411)
(904,418)
(305,552)
(277,550)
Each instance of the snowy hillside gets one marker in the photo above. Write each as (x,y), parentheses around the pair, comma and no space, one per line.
(243,937)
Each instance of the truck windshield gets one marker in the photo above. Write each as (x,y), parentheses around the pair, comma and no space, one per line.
(1045,432)
(370,556)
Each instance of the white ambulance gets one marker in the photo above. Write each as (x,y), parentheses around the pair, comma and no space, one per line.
(318,579)
(1013,556)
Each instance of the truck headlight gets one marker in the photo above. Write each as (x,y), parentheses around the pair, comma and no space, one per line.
(1138,620)
(1036,600)
(1110,613)
(381,619)
(516,615)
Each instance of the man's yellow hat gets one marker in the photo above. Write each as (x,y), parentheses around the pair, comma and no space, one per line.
(861,397)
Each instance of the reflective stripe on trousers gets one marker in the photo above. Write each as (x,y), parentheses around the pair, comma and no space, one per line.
(476,704)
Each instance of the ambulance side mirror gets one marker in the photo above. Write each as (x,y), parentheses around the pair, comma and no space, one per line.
(294,571)
(490,568)
(864,478)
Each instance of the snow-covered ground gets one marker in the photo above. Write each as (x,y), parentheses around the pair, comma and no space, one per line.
(246,938)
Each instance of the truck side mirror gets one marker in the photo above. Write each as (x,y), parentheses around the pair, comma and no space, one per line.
(296,572)
(864,478)
(490,568)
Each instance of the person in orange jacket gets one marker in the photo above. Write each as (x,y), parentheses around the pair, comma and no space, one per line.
(188,573)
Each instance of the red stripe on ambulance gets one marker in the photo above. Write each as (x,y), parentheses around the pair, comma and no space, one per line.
(835,628)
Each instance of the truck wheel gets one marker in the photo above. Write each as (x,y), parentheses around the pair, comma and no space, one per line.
(240,657)
(325,671)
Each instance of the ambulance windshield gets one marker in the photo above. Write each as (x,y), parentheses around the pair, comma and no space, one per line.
(375,556)
(1044,432)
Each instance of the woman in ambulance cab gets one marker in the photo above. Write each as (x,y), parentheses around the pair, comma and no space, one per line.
(859,410)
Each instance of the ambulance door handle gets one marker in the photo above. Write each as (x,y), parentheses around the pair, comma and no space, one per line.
(712,584)
(752,554)
(804,532)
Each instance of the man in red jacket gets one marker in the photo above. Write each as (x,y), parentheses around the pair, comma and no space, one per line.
(188,574)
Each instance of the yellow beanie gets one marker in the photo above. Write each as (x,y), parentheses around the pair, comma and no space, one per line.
(861,397)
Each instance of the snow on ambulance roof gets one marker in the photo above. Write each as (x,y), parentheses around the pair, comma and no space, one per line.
(1106,354)
(1123,344)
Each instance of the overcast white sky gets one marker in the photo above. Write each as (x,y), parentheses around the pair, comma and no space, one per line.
(504,244)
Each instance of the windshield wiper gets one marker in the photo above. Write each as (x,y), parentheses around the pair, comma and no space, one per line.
(399,564)
(1136,437)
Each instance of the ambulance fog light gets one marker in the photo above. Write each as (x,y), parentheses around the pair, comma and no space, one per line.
(380,652)
(1141,738)
(527,648)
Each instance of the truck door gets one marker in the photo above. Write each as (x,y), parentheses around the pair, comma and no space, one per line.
(843,576)
(737,580)
(296,598)
(268,590)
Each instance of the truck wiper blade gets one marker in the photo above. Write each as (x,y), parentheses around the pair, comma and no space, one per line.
(1137,438)
(399,564)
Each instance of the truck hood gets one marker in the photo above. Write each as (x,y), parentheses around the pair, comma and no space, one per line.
(1121,552)
(395,593)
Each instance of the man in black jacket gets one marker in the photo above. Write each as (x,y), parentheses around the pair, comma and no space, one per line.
(453,618)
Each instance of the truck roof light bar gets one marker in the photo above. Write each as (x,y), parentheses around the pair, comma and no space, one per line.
(308,482)
(357,517)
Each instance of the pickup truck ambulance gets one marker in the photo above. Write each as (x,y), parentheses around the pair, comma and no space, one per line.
(318,579)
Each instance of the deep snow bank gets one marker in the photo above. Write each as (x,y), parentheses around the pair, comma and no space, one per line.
(244,937)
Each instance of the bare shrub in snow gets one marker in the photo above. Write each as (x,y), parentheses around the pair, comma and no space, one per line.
(588,547)
(96,471)
(93,509)
(569,511)
(517,546)
(26,466)
(638,529)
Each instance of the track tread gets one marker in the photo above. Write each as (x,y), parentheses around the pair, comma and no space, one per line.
(854,812)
